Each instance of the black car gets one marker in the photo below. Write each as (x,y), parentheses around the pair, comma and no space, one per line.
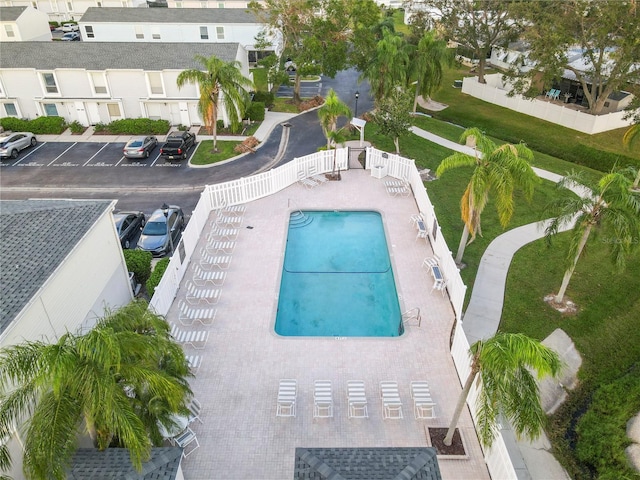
(177,145)
(128,225)
(162,232)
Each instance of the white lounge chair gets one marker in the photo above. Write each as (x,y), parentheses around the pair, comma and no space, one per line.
(228,221)
(287,392)
(229,234)
(188,315)
(315,176)
(439,284)
(423,405)
(203,277)
(186,438)
(402,189)
(194,362)
(194,411)
(357,399)
(322,399)
(429,262)
(219,246)
(196,295)
(391,403)
(197,339)
(221,262)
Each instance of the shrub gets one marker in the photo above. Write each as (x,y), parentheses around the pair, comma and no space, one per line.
(220,125)
(265,97)
(156,276)
(138,262)
(41,125)
(182,128)
(255,112)
(76,127)
(99,127)
(138,126)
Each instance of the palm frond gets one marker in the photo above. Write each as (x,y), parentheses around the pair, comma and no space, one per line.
(457,160)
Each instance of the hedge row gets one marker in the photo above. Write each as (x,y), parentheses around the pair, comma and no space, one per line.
(134,126)
(138,262)
(156,276)
(40,125)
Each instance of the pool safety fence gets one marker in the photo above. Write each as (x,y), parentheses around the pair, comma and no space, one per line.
(244,190)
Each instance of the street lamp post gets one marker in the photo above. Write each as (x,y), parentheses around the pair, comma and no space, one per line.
(165,211)
(357,96)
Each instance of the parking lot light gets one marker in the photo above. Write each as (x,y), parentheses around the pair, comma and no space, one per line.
(165,211)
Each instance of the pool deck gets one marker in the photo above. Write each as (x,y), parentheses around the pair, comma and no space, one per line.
(237,383)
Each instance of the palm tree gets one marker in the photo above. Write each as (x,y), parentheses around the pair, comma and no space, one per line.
(504,364)
(331,110)
(389,65)
(337,137)
(92,382)
(612,207)
(221,83)
(630,135)
(426,63)
(498,171)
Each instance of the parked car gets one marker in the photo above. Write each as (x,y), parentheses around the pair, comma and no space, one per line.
(128,226)
(140,147)
(162,232)
(13,142)
(177,145)
(71,37)
(69,27)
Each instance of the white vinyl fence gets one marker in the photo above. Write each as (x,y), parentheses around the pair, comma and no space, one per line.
(247,189)
(550,112)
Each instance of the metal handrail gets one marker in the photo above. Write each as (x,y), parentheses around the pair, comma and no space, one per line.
(414,313)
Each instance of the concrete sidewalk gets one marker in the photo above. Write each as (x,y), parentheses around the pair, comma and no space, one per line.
(271,120)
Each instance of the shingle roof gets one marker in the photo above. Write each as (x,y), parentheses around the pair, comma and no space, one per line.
(168,15)
(419,463)
(115,463)
(35,237)
(10,14)
(108,55)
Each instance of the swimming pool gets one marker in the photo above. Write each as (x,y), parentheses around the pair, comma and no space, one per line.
(337,279)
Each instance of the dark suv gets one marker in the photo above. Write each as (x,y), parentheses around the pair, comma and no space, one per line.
(177,145)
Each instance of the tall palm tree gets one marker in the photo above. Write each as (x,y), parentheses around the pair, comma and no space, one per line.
(92,382)
(332,109)
(426,65)
(612,207)
(504,364)
(389,65)
(499,170)
(221,84)
(632,134)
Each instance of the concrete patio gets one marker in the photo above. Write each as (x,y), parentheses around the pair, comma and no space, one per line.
(243,361)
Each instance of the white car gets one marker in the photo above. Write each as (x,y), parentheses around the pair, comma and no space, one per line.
(12,143)
(69,27)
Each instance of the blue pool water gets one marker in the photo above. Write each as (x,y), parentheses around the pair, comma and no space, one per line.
(337,279)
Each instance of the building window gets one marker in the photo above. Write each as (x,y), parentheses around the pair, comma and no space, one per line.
(89,31)
(34,5)
(10,109)
(69,6)
(155,83)
(50,109)
(155,33)
(220,33)
(49,81)
(54,5)
(99,83)
(98,3)
(9,30)
(204,33)
(113,109)
(204,5)
(139,31)
(125,4)
(178,4)
(220,4)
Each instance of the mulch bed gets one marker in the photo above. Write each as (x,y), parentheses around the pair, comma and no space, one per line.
(438,435)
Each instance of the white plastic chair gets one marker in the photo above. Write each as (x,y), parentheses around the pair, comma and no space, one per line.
(357,399)
(323,399)
(187,438)
(287,392)
(194,411)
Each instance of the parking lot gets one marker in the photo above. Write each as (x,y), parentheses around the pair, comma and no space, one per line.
(88,154)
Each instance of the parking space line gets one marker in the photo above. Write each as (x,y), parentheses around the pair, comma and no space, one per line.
(154,161)
(74,144)
(41,145)
(94,156)
(119,161)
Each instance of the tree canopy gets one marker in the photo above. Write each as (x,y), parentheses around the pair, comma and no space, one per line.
(605,35)
(478,25)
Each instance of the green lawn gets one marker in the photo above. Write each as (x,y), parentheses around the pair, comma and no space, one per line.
(204,155)
(284,105)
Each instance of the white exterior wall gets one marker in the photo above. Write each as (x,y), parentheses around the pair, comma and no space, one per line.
(32,25)
(244,34)
(59,11)
(208,4)
(127,88)
(92,277)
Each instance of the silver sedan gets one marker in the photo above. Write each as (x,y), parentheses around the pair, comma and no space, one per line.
(12,143)
(140,147)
